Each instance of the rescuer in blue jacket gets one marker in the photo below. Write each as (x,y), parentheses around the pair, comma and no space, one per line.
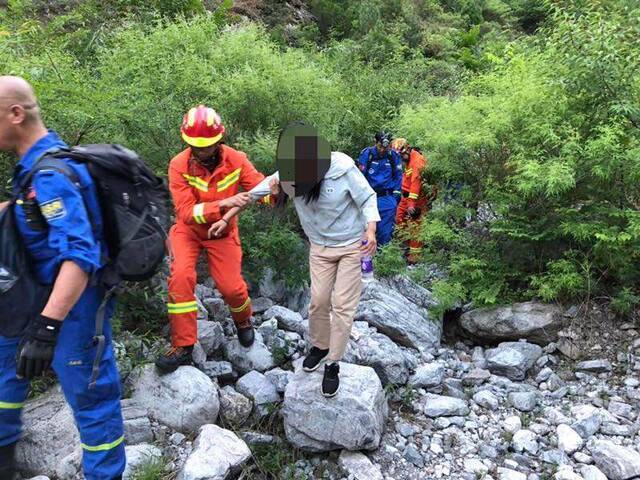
(382,167)
(61,225)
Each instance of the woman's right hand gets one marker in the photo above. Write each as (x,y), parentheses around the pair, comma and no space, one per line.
(274,186)
(239,200)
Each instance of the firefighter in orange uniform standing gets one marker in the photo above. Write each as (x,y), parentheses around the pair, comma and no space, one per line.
(204,180)
(414,203)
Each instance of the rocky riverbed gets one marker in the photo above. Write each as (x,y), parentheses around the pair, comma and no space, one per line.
(519,396)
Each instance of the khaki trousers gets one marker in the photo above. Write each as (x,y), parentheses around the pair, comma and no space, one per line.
(336,284)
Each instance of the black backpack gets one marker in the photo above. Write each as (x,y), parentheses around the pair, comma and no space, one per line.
(22,297)
(134,202)
(135,206)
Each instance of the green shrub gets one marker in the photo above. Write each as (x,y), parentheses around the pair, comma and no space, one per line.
(545,150)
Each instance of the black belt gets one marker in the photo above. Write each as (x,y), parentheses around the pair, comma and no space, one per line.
(384,193)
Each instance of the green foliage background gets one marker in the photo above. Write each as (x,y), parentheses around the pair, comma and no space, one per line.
(528,111)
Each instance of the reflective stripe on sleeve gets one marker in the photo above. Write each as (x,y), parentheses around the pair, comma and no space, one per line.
(198,213)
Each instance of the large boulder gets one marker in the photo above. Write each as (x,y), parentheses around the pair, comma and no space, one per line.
(513,359)
(217,453)
(370,348)
(259,389)
(354,419)
(183,400)
(410,289)
(392,314)
(615,461)
(287,319)
(256,357)
(533,321)
(50,443)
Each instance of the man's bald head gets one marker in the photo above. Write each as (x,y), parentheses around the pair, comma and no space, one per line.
(16,91)
(20,120)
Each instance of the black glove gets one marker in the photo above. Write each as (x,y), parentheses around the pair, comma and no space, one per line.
(35,352)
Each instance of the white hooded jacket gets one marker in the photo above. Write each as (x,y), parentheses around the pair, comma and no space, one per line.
(346,204)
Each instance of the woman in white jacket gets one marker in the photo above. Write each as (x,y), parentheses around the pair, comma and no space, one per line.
(338,214)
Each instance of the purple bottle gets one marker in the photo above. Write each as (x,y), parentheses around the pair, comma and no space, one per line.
(366,265)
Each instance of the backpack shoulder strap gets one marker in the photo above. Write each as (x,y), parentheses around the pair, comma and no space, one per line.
(369,160)
(50,160)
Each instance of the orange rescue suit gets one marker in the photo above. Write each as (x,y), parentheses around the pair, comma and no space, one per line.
(196,195)
(413,196)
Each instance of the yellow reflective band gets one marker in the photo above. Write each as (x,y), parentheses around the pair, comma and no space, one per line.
(198,213)
(415,249)
(184,307)
(104,446)
(408,171)
(229,180)
(201,142)
(178,311)
(197,182)
(267,200)
(11,406)
(241,307)
(413,196)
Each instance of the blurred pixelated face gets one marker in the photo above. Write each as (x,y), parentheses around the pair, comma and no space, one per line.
(303,158)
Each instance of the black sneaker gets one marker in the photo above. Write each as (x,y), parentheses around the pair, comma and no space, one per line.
(246,336)
(331,380)
(313,360)
(173,358)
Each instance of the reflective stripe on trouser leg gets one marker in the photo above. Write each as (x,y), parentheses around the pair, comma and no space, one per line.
(242,314)
(13,393)
(96,411)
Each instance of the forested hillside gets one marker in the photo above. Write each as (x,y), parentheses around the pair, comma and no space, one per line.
(527,110)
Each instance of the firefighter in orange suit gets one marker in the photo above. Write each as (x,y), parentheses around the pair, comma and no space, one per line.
(414,203)
(205,180)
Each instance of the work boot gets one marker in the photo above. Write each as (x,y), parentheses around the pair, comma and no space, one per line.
(173,358)
(7,462)
(313,360)
(331,379)
(246,336)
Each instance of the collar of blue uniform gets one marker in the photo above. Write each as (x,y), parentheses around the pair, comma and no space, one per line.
(50,140)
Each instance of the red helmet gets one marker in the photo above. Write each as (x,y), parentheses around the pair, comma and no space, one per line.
(202,127)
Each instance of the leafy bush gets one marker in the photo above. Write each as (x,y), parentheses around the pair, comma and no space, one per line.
(544,150)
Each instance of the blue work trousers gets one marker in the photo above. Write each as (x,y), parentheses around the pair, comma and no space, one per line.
(97,411)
